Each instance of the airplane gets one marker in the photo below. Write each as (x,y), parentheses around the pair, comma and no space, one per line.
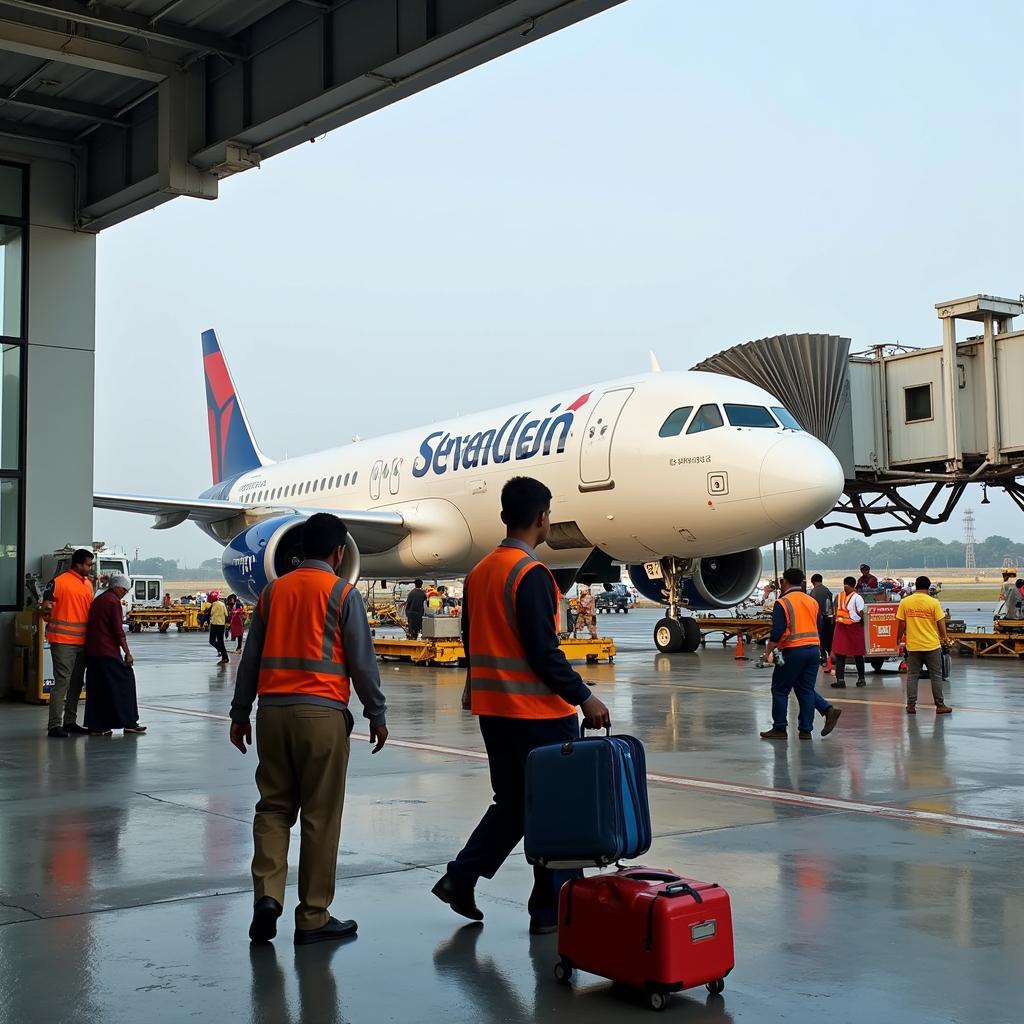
(681,477)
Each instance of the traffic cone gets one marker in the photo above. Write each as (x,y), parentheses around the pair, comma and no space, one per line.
(740,656)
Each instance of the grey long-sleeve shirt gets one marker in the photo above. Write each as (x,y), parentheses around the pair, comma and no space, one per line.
(360,660)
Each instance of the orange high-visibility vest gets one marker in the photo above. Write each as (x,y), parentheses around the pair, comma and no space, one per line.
(302,648)
(501,680)
(801,620)
(72,599)
(843,616)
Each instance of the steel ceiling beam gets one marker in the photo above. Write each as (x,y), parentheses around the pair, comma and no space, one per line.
(17,37)
(32,133)
(116,19)
(59,105)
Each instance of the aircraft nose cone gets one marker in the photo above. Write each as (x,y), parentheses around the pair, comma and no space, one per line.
(800,482)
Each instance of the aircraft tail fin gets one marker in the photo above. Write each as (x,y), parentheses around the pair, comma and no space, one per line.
(233,449)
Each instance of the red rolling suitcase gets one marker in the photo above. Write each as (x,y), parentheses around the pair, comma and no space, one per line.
(648,928)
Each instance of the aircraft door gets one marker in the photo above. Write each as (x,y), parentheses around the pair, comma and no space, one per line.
(375,475)
(596,449)
(395,477)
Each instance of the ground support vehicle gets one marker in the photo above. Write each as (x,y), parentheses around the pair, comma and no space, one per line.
(451,652)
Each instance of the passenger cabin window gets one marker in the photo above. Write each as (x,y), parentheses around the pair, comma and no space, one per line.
(354,475)
(917,401)
(346,479)
(323,484)
(786,418)
(750,416)
(708,417)
(673,426)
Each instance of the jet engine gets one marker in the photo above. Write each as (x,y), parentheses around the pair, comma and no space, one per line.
(719,581)
(272,548)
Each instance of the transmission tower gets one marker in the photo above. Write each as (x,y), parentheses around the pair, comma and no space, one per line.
(969,539)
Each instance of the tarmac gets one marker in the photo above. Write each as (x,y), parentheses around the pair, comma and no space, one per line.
(876,874)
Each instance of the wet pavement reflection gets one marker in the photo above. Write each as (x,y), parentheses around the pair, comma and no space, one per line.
(124,887)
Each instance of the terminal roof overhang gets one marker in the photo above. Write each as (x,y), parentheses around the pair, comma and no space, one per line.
(158,98)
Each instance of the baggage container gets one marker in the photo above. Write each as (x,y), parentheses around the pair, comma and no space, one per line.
(647,928)
(586,802)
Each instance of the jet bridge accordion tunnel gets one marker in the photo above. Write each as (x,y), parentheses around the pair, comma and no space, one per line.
(913,427)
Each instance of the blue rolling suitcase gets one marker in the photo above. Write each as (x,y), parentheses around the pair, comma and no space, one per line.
(586,802)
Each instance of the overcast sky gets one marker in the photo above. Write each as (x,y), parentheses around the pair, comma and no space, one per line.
(670,176)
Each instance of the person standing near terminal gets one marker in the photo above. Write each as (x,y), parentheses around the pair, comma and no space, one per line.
(1010,595)
(922,629)
(309,643)
(236,629)
(867,581)
(848,640)
(523,691)
(218,620)
(65,608)
(826,606)
(414,605)
(795,625)
(110,700)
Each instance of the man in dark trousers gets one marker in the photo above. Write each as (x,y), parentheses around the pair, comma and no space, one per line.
(309,644)
(414,605)
(524,692)
(826,606)
(796,622)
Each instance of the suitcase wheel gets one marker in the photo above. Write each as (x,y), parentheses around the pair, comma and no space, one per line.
(657,1000)
(716,987)
(563,971)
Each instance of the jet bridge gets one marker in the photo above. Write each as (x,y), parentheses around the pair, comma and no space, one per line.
(900,417)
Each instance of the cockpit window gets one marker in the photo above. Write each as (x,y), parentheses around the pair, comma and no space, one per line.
(786,418)
(708,417)
(750,416)
(673,426)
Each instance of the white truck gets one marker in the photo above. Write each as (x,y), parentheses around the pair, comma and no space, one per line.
(146,591)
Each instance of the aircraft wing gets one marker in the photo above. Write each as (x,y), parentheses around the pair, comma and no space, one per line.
(374,531)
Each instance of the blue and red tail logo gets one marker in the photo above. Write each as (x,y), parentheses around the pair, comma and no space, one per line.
(232,448)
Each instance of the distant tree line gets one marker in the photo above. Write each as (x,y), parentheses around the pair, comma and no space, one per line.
(917,553)
(170,570)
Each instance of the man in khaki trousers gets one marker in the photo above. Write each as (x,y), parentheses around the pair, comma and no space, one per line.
(309,643)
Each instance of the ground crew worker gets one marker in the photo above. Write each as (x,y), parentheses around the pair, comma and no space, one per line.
(65,607)
(823,596)
(523,690)
(308,639)
(218,619)
(922,630)
(848,638)
(1009,594)
(414,605)
(796,621)
(586,613)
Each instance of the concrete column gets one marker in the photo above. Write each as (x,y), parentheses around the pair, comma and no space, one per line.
(59,362)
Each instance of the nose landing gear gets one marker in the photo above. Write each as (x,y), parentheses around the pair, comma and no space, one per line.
(676,632)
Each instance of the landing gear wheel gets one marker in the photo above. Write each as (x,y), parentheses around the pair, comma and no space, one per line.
(563,972)
(691,635)
(717,987)
(877,663)
(669,636)
(657,1000)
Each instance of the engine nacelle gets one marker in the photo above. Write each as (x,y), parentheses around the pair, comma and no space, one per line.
(719,581)
(272,548)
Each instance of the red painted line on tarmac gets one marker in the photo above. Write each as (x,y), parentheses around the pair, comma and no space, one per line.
(999,826)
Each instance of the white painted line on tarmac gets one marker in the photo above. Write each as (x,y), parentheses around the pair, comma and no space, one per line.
(1000,826)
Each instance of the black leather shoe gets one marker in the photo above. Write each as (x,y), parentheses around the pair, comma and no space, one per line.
(333,930)
(831,718)
(458,896)
(773,734)
(265,913)
(74,729)
(540,928)
(57,733)
(838,686)
(862,682)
